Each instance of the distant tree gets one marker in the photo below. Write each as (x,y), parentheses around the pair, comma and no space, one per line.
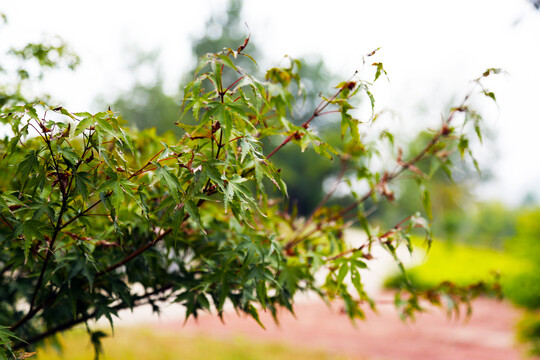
(224,29)
(148,105)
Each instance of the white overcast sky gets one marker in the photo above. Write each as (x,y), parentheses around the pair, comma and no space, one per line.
(431,50)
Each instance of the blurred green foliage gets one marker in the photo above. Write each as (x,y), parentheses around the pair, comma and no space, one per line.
(451,204)
(493,239)
(147,105)
(529,331)
(523,289)
(461,264)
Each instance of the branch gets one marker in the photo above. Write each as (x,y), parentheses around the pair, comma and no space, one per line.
(49,252)
(125,260)
(71,323)
(27,317)
(145,247)
(318,110)
(58,227)
(136,253)
(56,167)
(5,268)
(148,163)
(396,227)
(82,213)
(3,219)
(327,197)
(443,132)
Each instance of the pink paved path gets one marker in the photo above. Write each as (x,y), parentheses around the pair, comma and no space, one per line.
(488,335)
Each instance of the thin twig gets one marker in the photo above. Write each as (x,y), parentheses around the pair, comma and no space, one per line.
(396,227)
(318,110)
(319,206)
(444,131)
(49,253)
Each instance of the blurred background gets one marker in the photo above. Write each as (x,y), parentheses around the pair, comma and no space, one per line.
(136,56)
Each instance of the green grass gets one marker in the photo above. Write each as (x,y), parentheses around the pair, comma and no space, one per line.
(143,343)
(462,264)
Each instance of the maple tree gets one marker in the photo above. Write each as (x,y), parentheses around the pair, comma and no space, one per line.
(96,218)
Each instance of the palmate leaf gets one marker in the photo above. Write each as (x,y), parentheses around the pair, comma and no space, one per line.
(69,155)
(216,72)
(343,271)
(95,339)
(250,145)
(7,336)
(193,212)
(288,278)
(211,171)
(82,183)
(255,315)
(27,166)
(228,62)
(32,229)
(380,70)
(237,190)
(84,124)
(117,198)
(168,179)
(6,350)
(108,125)
(226,120)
